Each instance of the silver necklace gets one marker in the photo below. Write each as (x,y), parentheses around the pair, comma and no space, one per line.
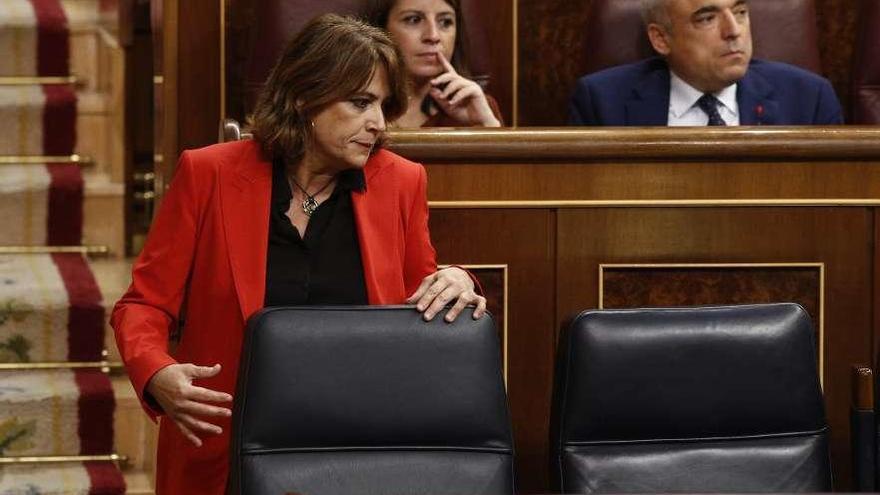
(310,204)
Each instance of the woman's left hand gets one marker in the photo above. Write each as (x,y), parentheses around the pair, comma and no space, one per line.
(461,98)
(442,287)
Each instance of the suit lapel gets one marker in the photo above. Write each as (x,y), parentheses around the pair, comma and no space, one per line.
(649,105)
(373,213)
(755,97)
(245,195)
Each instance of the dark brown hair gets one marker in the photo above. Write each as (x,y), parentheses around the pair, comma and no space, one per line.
(377,12)
(330,59)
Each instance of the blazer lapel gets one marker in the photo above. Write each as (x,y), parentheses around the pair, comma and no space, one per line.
(373,213)
(755,97)
(649,105)
(245,194)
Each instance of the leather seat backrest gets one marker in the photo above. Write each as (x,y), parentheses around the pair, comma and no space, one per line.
(782,30)
(706,400)
(370,400)
(866,67)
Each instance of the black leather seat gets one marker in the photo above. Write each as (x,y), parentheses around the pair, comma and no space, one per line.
(370,400)
(709,400)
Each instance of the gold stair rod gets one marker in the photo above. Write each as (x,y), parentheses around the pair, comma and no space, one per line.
(45,459)
(30,80)
(93,250)
(105,366)
(83,161)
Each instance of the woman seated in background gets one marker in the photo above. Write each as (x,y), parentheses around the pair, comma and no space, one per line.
(431,38)
(311,211)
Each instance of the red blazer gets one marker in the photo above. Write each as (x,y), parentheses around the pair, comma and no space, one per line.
(207,250)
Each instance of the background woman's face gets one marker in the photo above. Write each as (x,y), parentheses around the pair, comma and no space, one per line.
(422,29)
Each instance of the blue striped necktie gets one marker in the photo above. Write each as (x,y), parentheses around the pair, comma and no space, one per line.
(709,104)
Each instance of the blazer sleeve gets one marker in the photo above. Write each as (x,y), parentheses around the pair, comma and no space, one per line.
(580,108)
(420,259)
(144,315)
(828,111)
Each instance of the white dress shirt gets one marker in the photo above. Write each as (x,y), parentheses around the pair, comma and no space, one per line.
(683,109)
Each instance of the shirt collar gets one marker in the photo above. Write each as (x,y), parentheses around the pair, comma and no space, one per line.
(683,96)
(347,180)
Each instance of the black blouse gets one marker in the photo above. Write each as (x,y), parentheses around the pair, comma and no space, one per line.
(324,266)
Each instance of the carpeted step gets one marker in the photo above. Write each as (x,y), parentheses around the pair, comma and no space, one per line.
(88,478)
(36,34)
(50,309)
(55,413)
(41,205)
(39,120)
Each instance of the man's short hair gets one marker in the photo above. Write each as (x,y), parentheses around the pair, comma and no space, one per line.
(655,11)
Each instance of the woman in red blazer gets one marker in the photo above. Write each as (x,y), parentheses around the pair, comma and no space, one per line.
(321,115)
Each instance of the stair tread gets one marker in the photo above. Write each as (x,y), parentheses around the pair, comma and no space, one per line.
(18,14)
(47,412)
(51,309)
(62,479)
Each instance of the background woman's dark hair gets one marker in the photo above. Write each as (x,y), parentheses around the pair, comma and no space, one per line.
(377,11)
(330,59)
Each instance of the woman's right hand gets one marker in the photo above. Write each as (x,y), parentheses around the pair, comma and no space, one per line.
(461,98)
(184,402)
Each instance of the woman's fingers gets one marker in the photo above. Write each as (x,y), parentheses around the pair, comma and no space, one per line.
(439,301)
(203,394)
(199,427)
(447,65)
(444,78)
(481,307)
(438,284)
(200,409)
(194,371)
(187,432)
(465,93)
(420,292)
(460,304)
(454,87)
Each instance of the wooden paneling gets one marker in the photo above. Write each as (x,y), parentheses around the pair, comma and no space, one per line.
(528,236)
(838,26)
(191,89)
(550,53)
(695,284)
(493,280)
(556,204)
(551,49)
(491,46)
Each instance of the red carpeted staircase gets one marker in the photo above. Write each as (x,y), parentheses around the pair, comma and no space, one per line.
(56,403)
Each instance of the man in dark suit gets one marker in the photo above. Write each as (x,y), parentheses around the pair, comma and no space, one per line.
(705,76)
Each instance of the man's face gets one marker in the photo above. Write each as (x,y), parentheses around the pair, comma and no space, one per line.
(708,43)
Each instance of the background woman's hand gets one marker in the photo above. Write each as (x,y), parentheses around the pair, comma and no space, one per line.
(184,402)
(443,286)
(461,98)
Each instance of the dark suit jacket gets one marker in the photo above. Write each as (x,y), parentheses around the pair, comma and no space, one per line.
(208,245)
(771,93)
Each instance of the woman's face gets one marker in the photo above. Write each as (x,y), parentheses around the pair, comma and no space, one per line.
(422,29)
(346,131)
